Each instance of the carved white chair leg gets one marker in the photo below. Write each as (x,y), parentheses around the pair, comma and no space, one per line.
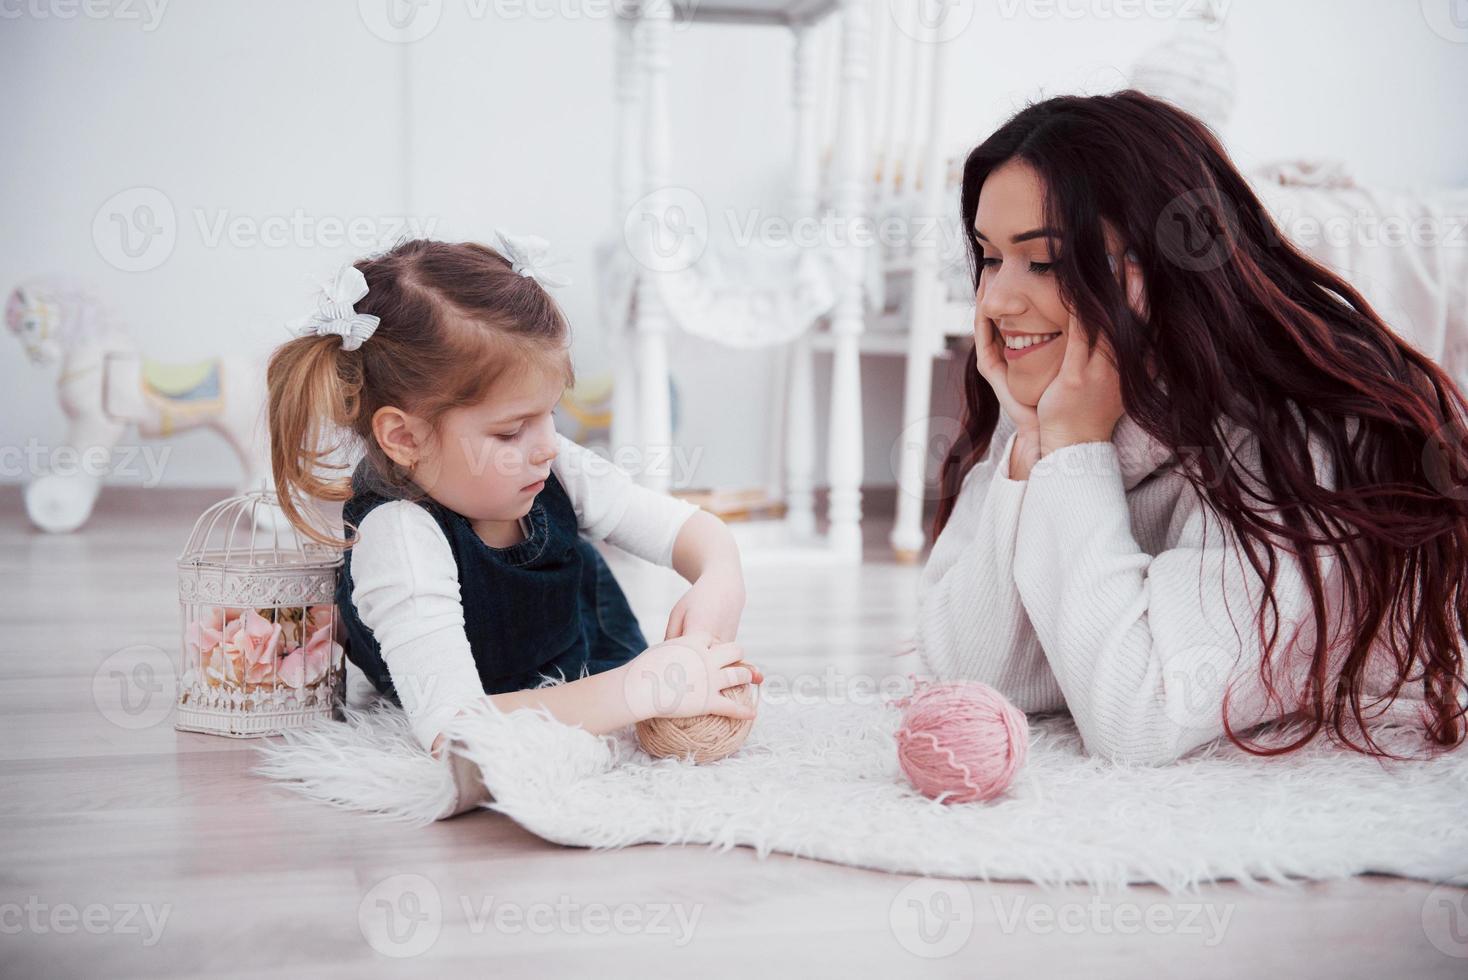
(925,333)
(800,441)
(652,320)
(907,533)
(844,463)
(625,432)
(800,409)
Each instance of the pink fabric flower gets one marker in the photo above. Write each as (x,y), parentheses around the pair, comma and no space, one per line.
(204,636)
(319,616)
(251,646)
(309,664)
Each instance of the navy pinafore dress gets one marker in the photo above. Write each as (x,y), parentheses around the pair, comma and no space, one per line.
(546,607)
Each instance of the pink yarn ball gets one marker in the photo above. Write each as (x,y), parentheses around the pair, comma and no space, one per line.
(962,741)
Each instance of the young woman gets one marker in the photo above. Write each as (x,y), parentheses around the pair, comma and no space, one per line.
(1202,486)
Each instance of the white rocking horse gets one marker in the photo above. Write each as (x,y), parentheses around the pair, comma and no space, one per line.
(105,386)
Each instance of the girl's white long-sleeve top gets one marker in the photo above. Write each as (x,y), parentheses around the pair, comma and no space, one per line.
(1102,584)
(405,583)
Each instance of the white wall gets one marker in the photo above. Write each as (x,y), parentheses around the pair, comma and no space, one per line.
(253,109)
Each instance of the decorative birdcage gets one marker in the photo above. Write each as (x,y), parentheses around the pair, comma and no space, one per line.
(262,641)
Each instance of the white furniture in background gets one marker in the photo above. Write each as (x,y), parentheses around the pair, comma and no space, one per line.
(640,291)
(862,153)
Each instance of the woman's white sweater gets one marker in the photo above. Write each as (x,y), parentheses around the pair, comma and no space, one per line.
(1103,584)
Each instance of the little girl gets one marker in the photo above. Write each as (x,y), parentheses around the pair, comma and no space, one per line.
(470,570)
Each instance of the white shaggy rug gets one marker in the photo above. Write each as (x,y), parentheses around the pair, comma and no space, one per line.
(822,781)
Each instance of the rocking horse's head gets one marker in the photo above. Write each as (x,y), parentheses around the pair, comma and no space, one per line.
(49,318)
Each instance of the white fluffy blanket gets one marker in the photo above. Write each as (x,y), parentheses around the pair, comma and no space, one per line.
(822,781)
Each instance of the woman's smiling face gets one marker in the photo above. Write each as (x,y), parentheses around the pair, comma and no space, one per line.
(1018,297)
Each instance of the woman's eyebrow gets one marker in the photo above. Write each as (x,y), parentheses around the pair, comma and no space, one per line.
(1024,236)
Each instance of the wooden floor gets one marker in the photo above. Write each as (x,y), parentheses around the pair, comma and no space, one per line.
(128,849)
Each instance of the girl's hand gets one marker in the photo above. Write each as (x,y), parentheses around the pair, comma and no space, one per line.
(713,605)
(684,678)
(1083,403)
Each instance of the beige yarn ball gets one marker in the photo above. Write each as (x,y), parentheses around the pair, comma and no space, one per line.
(703,738)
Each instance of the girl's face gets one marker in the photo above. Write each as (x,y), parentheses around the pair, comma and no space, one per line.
(489,460)
(1019,298)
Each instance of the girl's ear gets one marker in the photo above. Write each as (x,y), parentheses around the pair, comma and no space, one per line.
(401,436)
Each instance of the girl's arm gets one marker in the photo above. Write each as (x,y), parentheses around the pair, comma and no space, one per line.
(972,623)
(664,530)
(406,589)
(611,507)
(706,555)
(1144,647)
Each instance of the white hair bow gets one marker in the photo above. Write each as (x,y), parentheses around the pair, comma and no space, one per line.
(334,313)
(529,255)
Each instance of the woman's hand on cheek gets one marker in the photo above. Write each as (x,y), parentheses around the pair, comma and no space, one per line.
(995,370)
(1083,403)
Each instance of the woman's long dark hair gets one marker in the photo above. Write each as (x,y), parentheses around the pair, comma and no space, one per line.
(1239,323)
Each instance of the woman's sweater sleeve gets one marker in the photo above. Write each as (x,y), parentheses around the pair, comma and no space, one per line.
(611,507)
(973,624)
(405,585)
(1144,647)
